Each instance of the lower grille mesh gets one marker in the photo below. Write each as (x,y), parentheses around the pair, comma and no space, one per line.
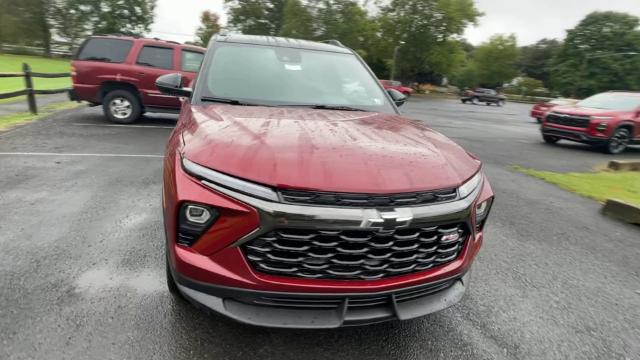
(569,120)
(355,254)
(353,301)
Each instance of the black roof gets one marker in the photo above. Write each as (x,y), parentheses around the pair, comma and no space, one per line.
(281,42)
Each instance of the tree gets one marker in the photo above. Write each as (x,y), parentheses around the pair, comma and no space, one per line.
(536,60)
(297,21)
(527,86)
(256,17)
(127,17)
(26,22)
(210,25)
(428,29)
(597,55)
(347,21)
(495,60)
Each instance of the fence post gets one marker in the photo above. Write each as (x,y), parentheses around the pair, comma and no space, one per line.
(28,82)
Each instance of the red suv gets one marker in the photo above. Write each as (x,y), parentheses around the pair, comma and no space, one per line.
(313,204)
(120,73)
(396,85)
(610,121)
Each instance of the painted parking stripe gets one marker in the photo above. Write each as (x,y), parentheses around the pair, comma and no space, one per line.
(76,154)
(126,126)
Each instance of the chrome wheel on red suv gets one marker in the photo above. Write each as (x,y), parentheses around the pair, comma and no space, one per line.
(619,141)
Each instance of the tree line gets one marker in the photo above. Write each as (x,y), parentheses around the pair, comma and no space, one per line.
(601,53)
(40,22)
(425,37)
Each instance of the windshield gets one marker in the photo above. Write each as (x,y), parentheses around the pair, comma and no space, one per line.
(612,101)
(279,76)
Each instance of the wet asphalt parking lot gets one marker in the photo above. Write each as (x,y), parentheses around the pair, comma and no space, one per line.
(82,267)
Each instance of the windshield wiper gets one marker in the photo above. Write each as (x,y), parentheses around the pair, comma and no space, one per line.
(326,107)
(228,101)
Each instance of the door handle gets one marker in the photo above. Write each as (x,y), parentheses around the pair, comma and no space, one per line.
(141,74)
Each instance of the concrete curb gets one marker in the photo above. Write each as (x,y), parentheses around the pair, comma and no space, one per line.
(622,211)
(628,165)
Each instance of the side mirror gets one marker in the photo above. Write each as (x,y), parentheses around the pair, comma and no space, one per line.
(398,98)
(171,84)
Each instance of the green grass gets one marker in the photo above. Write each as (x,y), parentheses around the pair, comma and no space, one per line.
(600,186)
(13,63)
(9,121)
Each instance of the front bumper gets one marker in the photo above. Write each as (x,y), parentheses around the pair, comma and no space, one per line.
(577,136)
(323,311)
(214,271)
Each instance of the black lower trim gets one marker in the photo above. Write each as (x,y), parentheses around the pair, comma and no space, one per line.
(574,136)
(72,95)
(163,110)
(313,310)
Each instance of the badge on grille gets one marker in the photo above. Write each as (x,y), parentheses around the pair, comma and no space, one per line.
(387,220)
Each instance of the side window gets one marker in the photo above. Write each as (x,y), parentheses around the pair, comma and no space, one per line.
(154,56)
(191,60)
(106,50)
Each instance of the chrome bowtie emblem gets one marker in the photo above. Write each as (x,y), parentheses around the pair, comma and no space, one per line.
(387,220)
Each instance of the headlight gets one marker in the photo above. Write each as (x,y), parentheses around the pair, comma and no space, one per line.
(229,182)
(602,117)
(467,188)
(482,211)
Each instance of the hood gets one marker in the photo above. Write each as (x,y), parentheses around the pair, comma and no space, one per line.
(585,111)
(324,150)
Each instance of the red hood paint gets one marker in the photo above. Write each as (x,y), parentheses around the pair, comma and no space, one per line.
(584,111)
(328,150)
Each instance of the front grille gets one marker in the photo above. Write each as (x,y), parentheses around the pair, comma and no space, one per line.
(352,301)
(569,120)
(355,254)
(367,200)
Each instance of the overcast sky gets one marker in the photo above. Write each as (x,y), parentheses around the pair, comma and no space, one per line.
(530,20)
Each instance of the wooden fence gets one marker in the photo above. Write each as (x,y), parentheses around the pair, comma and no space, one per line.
(29,91)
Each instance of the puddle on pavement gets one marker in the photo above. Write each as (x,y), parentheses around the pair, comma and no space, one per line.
(95,281)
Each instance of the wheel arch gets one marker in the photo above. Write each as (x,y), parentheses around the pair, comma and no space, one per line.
(626,124)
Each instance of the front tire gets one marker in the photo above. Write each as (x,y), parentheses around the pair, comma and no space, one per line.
(121,107)
(618,141)
(550,139)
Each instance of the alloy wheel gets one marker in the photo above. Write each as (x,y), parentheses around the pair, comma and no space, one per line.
(121,108)
(619,141)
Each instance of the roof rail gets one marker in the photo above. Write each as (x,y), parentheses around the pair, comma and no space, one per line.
(333,42)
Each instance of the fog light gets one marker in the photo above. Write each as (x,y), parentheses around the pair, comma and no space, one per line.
(193,221)
(197,214)
(482,212)
(602,127)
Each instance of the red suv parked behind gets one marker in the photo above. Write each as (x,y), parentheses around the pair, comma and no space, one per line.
(608,120)
(120,73)
(397,85)
(539,110)
(313,204)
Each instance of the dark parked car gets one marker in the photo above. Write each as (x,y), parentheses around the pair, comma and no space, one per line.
(610,121)
(120,73)
(539,110)
(313,204)
(486,96)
